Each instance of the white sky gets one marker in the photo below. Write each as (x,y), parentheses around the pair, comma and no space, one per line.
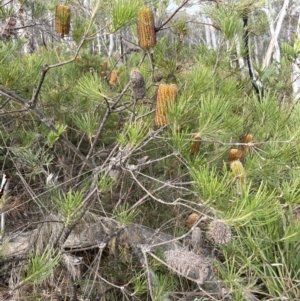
(192,8)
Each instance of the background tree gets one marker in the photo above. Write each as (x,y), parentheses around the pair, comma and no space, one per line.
(152,150)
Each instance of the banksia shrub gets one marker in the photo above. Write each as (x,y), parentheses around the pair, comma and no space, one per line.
(113,78)
(219,232)
(196,144)
(166,95)
(137,84)
(146,28)
(62,19)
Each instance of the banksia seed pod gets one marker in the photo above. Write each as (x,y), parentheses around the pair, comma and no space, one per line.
(239,172)
(137,84)
(113,78)
(166,95)
(235,154)
(146,28)
(189,264)
(196,144)
(62,19)
(191,220)
(219,232)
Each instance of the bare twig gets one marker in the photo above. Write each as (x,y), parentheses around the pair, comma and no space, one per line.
(37,90)
(5,3)
(45,120)
(184,2)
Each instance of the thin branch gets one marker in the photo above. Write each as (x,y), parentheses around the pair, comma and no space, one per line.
(184,2)
(13,112)
(37,90)
(44,119)
(5,3)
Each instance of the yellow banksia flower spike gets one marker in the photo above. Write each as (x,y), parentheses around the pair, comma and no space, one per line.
(239,173)
(196,144)
(146,28)
(104,66)
(166,95)
(62,19)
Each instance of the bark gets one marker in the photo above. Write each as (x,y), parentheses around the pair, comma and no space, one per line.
(274,40)
(296,71)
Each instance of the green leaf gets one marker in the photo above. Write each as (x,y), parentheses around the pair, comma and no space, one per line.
(54,136)
(69,205)
(123,13)
(123,215)
(40,267)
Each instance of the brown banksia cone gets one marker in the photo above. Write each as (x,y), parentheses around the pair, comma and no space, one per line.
(137,84)
(62,19)
(196,144)
(113,78)
(9,28)
(219,232)
(189,264)
(191,220)
(166,95)
(146,28)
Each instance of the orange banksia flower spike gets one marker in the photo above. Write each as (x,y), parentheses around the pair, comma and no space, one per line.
(191,220)
(166,95)
(146,28)
(62,19)
(246,139)
(240,153)
(235,154)
(113,78)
